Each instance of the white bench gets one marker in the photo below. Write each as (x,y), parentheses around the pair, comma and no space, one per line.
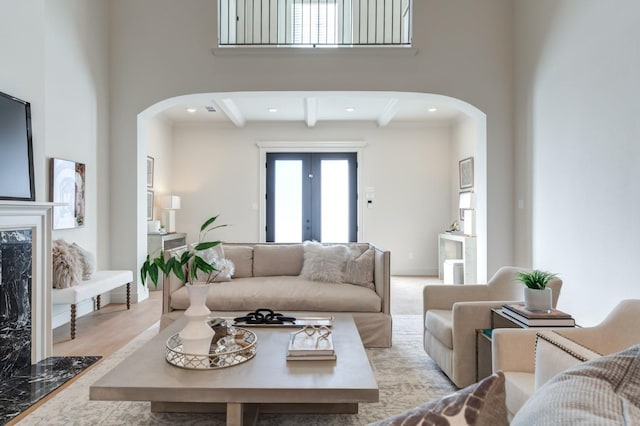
(100,282)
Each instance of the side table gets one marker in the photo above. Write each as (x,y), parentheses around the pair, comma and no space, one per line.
(483,341)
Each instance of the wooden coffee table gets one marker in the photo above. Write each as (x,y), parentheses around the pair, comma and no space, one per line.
(267,383)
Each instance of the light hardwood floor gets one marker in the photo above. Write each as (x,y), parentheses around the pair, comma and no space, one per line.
(105,331)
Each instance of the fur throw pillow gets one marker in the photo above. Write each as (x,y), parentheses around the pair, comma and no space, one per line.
(324,263)
(87,260)
(67,268)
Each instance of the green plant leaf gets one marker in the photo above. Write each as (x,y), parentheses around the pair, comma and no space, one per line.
(206,245)
(178,271)
(208,222)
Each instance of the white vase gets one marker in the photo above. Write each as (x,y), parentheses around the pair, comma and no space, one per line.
(196,335)
(537,300)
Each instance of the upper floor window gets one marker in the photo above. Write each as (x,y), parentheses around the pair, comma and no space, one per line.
(313,23)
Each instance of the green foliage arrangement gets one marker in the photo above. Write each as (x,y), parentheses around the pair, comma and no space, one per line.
(186,267)
(536,279)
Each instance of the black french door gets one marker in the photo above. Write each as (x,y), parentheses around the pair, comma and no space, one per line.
(311,196)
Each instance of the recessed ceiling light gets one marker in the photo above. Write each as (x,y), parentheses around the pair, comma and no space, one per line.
(272,109)
(433,109)
(349,109)
(191,110)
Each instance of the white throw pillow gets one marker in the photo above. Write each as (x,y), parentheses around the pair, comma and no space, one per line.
(324,263)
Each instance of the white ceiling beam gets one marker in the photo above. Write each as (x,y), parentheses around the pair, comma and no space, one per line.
(232,111)
(390,110)
(311,111)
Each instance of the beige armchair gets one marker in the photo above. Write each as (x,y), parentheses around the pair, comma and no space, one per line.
(453,313)
(530,357)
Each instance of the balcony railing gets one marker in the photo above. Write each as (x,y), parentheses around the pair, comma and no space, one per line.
(314,23)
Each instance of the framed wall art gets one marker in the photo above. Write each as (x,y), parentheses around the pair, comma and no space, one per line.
(150,164)
(150,202)
(67,185)
(466,173)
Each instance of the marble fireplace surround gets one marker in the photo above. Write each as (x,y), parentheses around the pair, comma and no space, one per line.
(36,216)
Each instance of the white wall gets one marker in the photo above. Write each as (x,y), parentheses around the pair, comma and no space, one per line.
(162,48)
(54,56)
(577,102)
(216,170)
(159,146)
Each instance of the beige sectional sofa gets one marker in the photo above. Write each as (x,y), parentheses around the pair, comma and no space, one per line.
(267,275)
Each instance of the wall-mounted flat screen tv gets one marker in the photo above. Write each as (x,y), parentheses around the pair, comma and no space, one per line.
(16,150)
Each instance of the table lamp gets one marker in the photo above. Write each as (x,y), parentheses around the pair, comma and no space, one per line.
(467,207)
(170,204)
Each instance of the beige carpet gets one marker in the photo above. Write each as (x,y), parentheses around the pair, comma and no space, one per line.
(405,374)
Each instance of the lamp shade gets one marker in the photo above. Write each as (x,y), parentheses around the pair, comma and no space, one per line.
(171,202)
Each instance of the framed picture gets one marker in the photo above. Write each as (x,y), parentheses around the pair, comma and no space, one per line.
(465,168)
(149,205)
(150,162)
(67,185)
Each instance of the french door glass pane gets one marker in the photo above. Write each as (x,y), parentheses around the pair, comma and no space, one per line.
(288,202)
(335,200)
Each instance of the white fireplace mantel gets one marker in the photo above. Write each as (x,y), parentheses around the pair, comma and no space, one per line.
(36,216)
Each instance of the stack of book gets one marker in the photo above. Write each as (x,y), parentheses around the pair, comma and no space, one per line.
(314,346)
(553,318)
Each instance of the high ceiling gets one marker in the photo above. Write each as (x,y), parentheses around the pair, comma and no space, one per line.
(311,108)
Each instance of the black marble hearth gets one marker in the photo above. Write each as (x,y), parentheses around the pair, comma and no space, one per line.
(25,388)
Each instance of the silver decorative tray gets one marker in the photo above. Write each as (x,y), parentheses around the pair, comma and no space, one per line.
(238,346)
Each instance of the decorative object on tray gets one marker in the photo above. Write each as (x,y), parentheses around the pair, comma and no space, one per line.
(264,316)
(553,318)
(537,297)
(311,343)
(238,345)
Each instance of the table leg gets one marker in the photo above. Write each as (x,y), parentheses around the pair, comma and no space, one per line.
(239,414)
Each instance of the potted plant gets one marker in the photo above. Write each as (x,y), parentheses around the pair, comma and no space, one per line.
(197,334)
(537,297)
(186,267)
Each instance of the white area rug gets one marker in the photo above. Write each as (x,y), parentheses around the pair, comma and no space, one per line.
(406,376)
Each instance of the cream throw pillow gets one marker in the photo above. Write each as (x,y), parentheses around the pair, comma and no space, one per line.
(324,263)
(359,268)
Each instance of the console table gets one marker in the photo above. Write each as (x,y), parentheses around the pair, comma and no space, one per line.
(458,246)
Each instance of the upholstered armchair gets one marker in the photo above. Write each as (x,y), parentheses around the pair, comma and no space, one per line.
(530,357)
(453,313)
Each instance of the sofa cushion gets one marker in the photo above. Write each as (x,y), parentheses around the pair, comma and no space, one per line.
(603,391)
(284,293)
(242,258)
(324,263)
(439,323)
(479,404)
(277,260)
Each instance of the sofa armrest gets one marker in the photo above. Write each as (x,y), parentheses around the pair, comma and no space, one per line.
(513,349)
(444,296)
(382,277)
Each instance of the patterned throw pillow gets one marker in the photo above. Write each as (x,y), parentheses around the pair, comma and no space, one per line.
(480,404)
(603,391)
(324,263)
(359,268)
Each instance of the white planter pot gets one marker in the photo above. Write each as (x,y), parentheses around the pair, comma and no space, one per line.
(537,300)
(196,335)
